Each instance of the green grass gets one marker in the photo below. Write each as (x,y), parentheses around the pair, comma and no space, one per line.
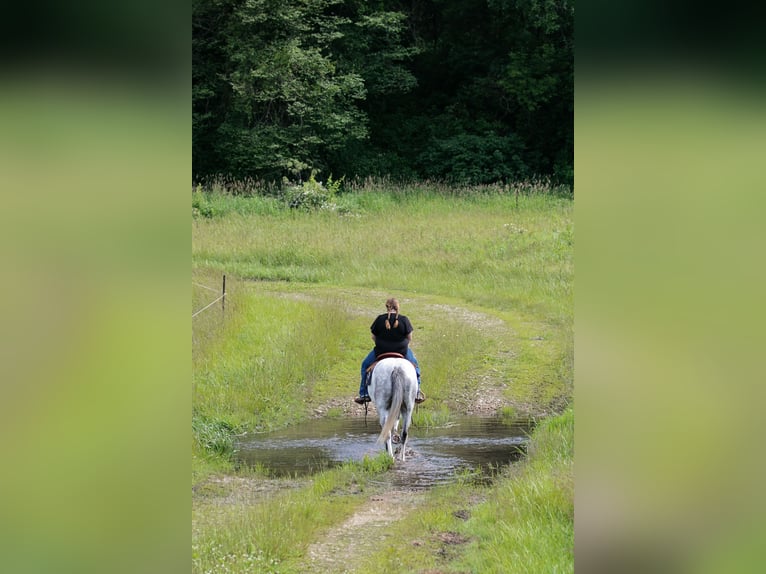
(528,526)
(273,536)
(481,249)
(508,413)
(255,367)
(486,278)
(524,523)
(430,418)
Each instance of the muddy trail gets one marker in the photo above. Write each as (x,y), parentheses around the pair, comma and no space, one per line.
(343,547)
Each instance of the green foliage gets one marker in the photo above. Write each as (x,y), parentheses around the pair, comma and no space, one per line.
(270,96)
(509,413)
(312,195)
(214,436)
(500,71)
(201,204)
(375,47)
(475,159)
(377,464)
(425,417)
(554,439)
(468,91)
(210,204)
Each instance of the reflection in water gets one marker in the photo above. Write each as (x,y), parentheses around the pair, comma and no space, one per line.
(468,443)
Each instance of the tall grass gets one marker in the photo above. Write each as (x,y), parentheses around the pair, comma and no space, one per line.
(482,248)
(257,371)
(528,526)
(525,523)
(273,536)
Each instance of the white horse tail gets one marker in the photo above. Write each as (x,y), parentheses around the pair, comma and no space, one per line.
(397,396)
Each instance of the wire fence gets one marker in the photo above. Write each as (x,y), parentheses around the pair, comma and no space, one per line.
(205,287)
(221,297)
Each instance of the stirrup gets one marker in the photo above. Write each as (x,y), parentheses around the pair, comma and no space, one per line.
(420,397)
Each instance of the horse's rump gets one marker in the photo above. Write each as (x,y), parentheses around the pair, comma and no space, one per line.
(395,404)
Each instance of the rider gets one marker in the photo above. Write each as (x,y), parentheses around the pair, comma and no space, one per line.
(392,333)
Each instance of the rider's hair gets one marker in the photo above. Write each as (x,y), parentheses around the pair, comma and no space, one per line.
(393,307)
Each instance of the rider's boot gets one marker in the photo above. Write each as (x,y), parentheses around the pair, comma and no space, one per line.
(420,397)
(363,397)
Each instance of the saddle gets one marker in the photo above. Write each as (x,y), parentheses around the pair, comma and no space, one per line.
(384,356)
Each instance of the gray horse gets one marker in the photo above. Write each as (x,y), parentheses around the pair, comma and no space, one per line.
(393,389)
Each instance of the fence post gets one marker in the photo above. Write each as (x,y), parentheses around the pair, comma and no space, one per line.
(223,297)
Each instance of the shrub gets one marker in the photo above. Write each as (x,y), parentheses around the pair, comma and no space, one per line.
(472,159)
(313,195)
(201,206)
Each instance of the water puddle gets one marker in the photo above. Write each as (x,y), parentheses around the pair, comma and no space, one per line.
(473,443)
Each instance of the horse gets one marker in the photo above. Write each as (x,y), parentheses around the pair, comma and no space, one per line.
(393,389)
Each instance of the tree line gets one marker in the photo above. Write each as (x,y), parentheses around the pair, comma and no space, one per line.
(463,91)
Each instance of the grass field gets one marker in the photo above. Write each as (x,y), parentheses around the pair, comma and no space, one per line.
(485,275)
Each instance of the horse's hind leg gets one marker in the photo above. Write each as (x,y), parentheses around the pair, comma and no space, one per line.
(404,435)
(389,446)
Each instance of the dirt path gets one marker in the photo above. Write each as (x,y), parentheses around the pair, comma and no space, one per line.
(485,400)
(345,546)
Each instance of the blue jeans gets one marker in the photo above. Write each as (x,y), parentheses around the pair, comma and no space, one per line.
(370,359)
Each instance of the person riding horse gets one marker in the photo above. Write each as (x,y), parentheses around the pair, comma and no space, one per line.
(392,333)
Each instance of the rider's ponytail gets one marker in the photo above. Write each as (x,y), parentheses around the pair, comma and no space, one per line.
(393,306)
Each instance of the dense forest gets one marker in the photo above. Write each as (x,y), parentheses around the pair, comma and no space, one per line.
(462,91)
